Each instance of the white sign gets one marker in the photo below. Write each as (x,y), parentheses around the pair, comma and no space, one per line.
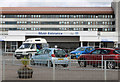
(44,33)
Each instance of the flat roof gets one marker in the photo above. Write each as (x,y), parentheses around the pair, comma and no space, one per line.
(56,10)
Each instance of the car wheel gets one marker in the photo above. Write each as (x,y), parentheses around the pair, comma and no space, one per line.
(65,65)
(110,65)
(32,62)
(82,63)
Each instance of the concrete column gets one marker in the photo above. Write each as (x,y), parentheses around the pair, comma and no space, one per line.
(81,44)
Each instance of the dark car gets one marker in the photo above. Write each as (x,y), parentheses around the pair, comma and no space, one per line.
(108,54)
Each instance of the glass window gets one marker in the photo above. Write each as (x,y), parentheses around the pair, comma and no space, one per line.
(47,51)
(41,52)
(33,46)
(59,53)
(110,23)
(105,16)
(116,51)
(96,16)
(90,48)
(85,23)
(89,23)
(105,23)
(67,16)
(25,46)
(100,29)
(113,29)
(85,29)
(96,52)
(105,51)
(111,16)
(74,23)
(99,23)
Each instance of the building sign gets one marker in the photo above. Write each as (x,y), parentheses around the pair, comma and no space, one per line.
(50,33)
(44,33)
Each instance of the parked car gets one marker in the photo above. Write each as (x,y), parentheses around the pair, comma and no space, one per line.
(108,54)
(81,50)
(30,46)
(58,55)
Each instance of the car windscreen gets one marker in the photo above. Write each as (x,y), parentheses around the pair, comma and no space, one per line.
(59,53)
(116,51)
(25,45)
(80,49)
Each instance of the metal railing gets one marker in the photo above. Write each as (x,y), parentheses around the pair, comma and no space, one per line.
(55,71)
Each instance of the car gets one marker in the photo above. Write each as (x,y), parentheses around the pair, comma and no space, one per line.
(98,54)
(48,55)
(81,50)
(30,46)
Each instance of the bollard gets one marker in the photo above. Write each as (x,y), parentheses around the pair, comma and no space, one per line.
(53,69)
(105,70)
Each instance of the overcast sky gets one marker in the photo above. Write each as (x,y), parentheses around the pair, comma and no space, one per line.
(55,3)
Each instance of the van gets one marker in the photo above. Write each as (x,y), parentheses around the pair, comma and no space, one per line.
(30,46)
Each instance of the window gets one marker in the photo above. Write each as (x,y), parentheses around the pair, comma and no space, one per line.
(59,53)
(100,29)
(41,52)
(33,46)
(105,51)
(87,50)
(113,29)
(47,51)
(85,29)
(116,51)
(89,23)
(90,49)
(96,52)
(11,22)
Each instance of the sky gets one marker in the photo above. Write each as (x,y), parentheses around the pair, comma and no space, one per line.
(55,3)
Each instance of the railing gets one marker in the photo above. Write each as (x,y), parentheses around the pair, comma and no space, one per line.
(72,72)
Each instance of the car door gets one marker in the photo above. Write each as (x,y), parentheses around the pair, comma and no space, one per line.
(39,57)
(33,50)
(46,55)
(94,56)
(105,54)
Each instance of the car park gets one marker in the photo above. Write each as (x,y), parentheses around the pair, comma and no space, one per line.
(81,50)
(112,56)
(50,55)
